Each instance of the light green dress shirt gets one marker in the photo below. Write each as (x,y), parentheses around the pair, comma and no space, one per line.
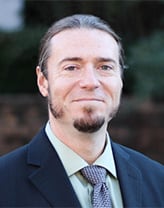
(72,163)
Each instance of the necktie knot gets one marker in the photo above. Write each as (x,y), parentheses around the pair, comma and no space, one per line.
(94,174)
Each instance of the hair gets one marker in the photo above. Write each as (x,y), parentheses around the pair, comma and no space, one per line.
(76,21)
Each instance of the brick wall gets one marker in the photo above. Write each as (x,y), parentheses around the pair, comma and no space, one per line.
(21,116)
(137,125)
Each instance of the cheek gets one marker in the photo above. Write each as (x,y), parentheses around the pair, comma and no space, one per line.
(118,87)
(115,87)
(60,89)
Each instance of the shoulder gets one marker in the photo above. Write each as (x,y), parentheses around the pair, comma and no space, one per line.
(138,160)
(13,168)
(13,159)
(138,172)
(17,160)
(19,156)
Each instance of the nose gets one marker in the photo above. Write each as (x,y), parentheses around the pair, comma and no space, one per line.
(89,79)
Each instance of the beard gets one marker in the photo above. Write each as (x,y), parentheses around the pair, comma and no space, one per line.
(56,111)
(88,123)
(88,126)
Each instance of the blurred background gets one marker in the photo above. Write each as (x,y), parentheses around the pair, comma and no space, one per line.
(140,24)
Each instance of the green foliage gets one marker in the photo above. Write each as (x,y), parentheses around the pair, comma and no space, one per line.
(133,20)
(146,61)
(18,58)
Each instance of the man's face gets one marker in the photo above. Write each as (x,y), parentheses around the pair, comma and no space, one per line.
(84,79)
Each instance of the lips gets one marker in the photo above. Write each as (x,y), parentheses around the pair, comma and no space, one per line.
(88,100)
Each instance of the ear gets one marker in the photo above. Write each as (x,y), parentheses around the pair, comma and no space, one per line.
(42,82)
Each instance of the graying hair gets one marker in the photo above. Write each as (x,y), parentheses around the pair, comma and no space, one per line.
(74,22)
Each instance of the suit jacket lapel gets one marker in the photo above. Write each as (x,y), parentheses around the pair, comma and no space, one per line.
(48,175)
(129,177)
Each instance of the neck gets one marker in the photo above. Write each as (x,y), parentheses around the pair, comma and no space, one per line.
(89,146)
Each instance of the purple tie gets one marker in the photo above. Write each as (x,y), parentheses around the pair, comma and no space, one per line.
(96,176)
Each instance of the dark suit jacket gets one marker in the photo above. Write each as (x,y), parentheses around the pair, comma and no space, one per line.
(33,176)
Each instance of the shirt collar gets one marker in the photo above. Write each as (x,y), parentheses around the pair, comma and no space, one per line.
(106,159)
(75,162)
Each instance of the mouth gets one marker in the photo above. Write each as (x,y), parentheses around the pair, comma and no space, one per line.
(88,100)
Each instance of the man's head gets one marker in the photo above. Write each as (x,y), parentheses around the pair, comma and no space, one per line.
(79,70)
(75,22)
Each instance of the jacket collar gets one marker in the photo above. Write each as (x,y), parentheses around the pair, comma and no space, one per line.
(47,173)
(129,177)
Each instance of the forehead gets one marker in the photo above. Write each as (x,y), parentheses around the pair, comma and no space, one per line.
(82,40)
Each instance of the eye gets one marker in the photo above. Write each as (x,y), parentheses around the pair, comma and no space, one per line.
(106,67)
(70,68)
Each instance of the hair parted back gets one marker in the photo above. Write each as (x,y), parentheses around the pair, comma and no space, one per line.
(75,22)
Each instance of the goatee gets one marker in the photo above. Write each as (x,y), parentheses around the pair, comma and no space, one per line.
(86,124)
(89,123)
(89,126)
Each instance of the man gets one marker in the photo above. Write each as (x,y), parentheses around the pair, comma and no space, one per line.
(80,73)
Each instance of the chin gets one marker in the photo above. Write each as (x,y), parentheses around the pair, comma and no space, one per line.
(89,124)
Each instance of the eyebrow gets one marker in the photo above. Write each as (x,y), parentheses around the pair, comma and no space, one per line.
(99,59)
(102,59)
(70,59)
